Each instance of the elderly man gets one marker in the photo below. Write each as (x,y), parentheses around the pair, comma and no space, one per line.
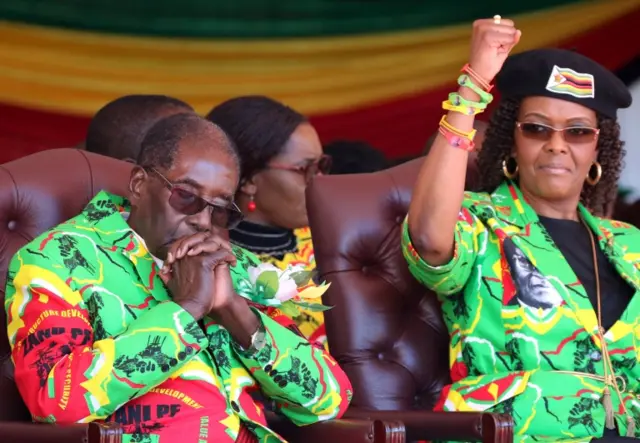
(130,311)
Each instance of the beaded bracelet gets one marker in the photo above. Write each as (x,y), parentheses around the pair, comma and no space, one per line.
(456,140)
(465,80)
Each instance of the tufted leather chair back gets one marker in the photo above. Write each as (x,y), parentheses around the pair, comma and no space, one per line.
(37,193)
(626,212)
(385,329)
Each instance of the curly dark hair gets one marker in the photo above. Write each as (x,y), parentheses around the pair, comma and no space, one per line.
(259,126)
(499,141)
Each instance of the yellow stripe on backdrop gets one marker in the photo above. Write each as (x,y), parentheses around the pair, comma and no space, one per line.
(78,72)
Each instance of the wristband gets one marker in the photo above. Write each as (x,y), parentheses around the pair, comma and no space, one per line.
(457,100)
(456,140)
(461,109)
(445,124)
(465,80)
(477,78)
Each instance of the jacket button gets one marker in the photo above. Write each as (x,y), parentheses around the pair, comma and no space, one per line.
(595,356)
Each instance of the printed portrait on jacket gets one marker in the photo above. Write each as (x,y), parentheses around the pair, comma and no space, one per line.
(533,289)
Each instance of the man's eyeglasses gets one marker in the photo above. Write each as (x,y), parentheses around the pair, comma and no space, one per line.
(188,203)
(320,166)
(572,134)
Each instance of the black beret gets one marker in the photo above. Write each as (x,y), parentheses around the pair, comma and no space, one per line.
(566,75)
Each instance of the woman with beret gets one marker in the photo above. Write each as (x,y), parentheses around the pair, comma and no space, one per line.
(280,152)
(540,294)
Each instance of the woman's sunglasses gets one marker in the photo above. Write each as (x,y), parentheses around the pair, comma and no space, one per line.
(320,166)
(572,134)
(188,203)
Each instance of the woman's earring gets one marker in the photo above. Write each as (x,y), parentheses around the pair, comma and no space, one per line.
(251,206)
(598,174)
(511,175)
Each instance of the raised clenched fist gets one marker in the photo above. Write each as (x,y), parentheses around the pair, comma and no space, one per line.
(491,42)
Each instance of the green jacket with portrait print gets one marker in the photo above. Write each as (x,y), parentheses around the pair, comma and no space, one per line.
(523,333)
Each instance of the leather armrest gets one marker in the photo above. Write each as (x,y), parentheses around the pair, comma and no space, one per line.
(334,431)
(21,432)
(452,426)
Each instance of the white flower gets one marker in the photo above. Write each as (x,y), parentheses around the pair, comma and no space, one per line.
(287,287)
(255,271)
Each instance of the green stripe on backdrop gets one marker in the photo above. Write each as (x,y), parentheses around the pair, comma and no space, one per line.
(258,18)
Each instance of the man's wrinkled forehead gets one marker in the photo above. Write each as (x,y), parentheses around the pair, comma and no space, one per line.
(210,171)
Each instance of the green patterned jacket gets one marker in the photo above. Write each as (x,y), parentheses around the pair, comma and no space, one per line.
(523,333)
(95,336)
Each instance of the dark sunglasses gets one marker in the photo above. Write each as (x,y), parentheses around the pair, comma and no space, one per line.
(572,134)
(188,203)
(320,166)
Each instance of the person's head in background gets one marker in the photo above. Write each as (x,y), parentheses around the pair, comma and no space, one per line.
(117,130)
(280,152)
(354,157)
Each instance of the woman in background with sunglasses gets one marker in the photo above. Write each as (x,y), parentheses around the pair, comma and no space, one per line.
(540,294)
(280,153)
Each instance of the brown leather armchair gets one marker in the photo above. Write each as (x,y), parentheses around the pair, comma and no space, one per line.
(37,193)
(385,329)
(627,212)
